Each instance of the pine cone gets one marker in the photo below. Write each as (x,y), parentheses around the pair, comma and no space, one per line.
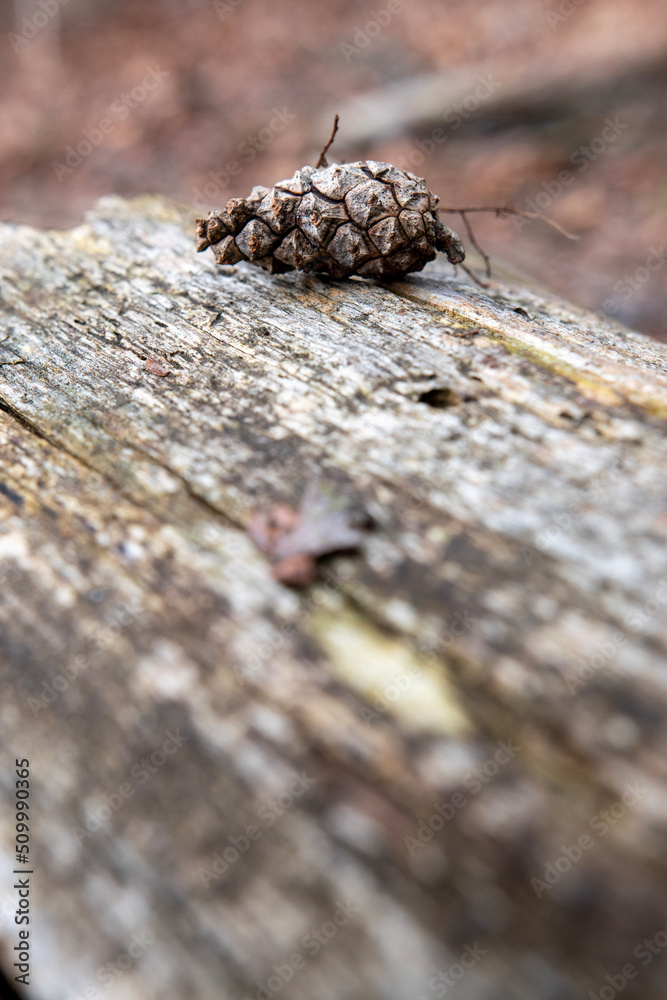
(365,218)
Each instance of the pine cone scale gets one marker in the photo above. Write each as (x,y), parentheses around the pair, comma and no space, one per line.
(350,247)
(388,235)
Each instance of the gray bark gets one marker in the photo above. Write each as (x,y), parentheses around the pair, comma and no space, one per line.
(487,673)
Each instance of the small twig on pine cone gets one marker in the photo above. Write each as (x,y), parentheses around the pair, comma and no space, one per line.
(503,210)
(471,274)
(500,211)
(323,162)
(476,245)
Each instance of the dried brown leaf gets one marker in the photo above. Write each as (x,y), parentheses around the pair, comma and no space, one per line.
(294,539)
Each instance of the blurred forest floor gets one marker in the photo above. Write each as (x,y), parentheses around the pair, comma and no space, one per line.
(560,105)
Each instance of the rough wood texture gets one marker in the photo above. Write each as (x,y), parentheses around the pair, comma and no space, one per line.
(514,589)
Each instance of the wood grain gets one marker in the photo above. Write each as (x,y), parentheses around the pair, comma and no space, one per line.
(487,673)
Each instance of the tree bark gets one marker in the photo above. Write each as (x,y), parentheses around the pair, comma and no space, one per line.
(444,759)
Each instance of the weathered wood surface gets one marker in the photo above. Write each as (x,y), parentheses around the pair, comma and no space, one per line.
(514,586)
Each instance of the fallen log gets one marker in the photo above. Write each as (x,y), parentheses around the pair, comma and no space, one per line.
(443,763)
